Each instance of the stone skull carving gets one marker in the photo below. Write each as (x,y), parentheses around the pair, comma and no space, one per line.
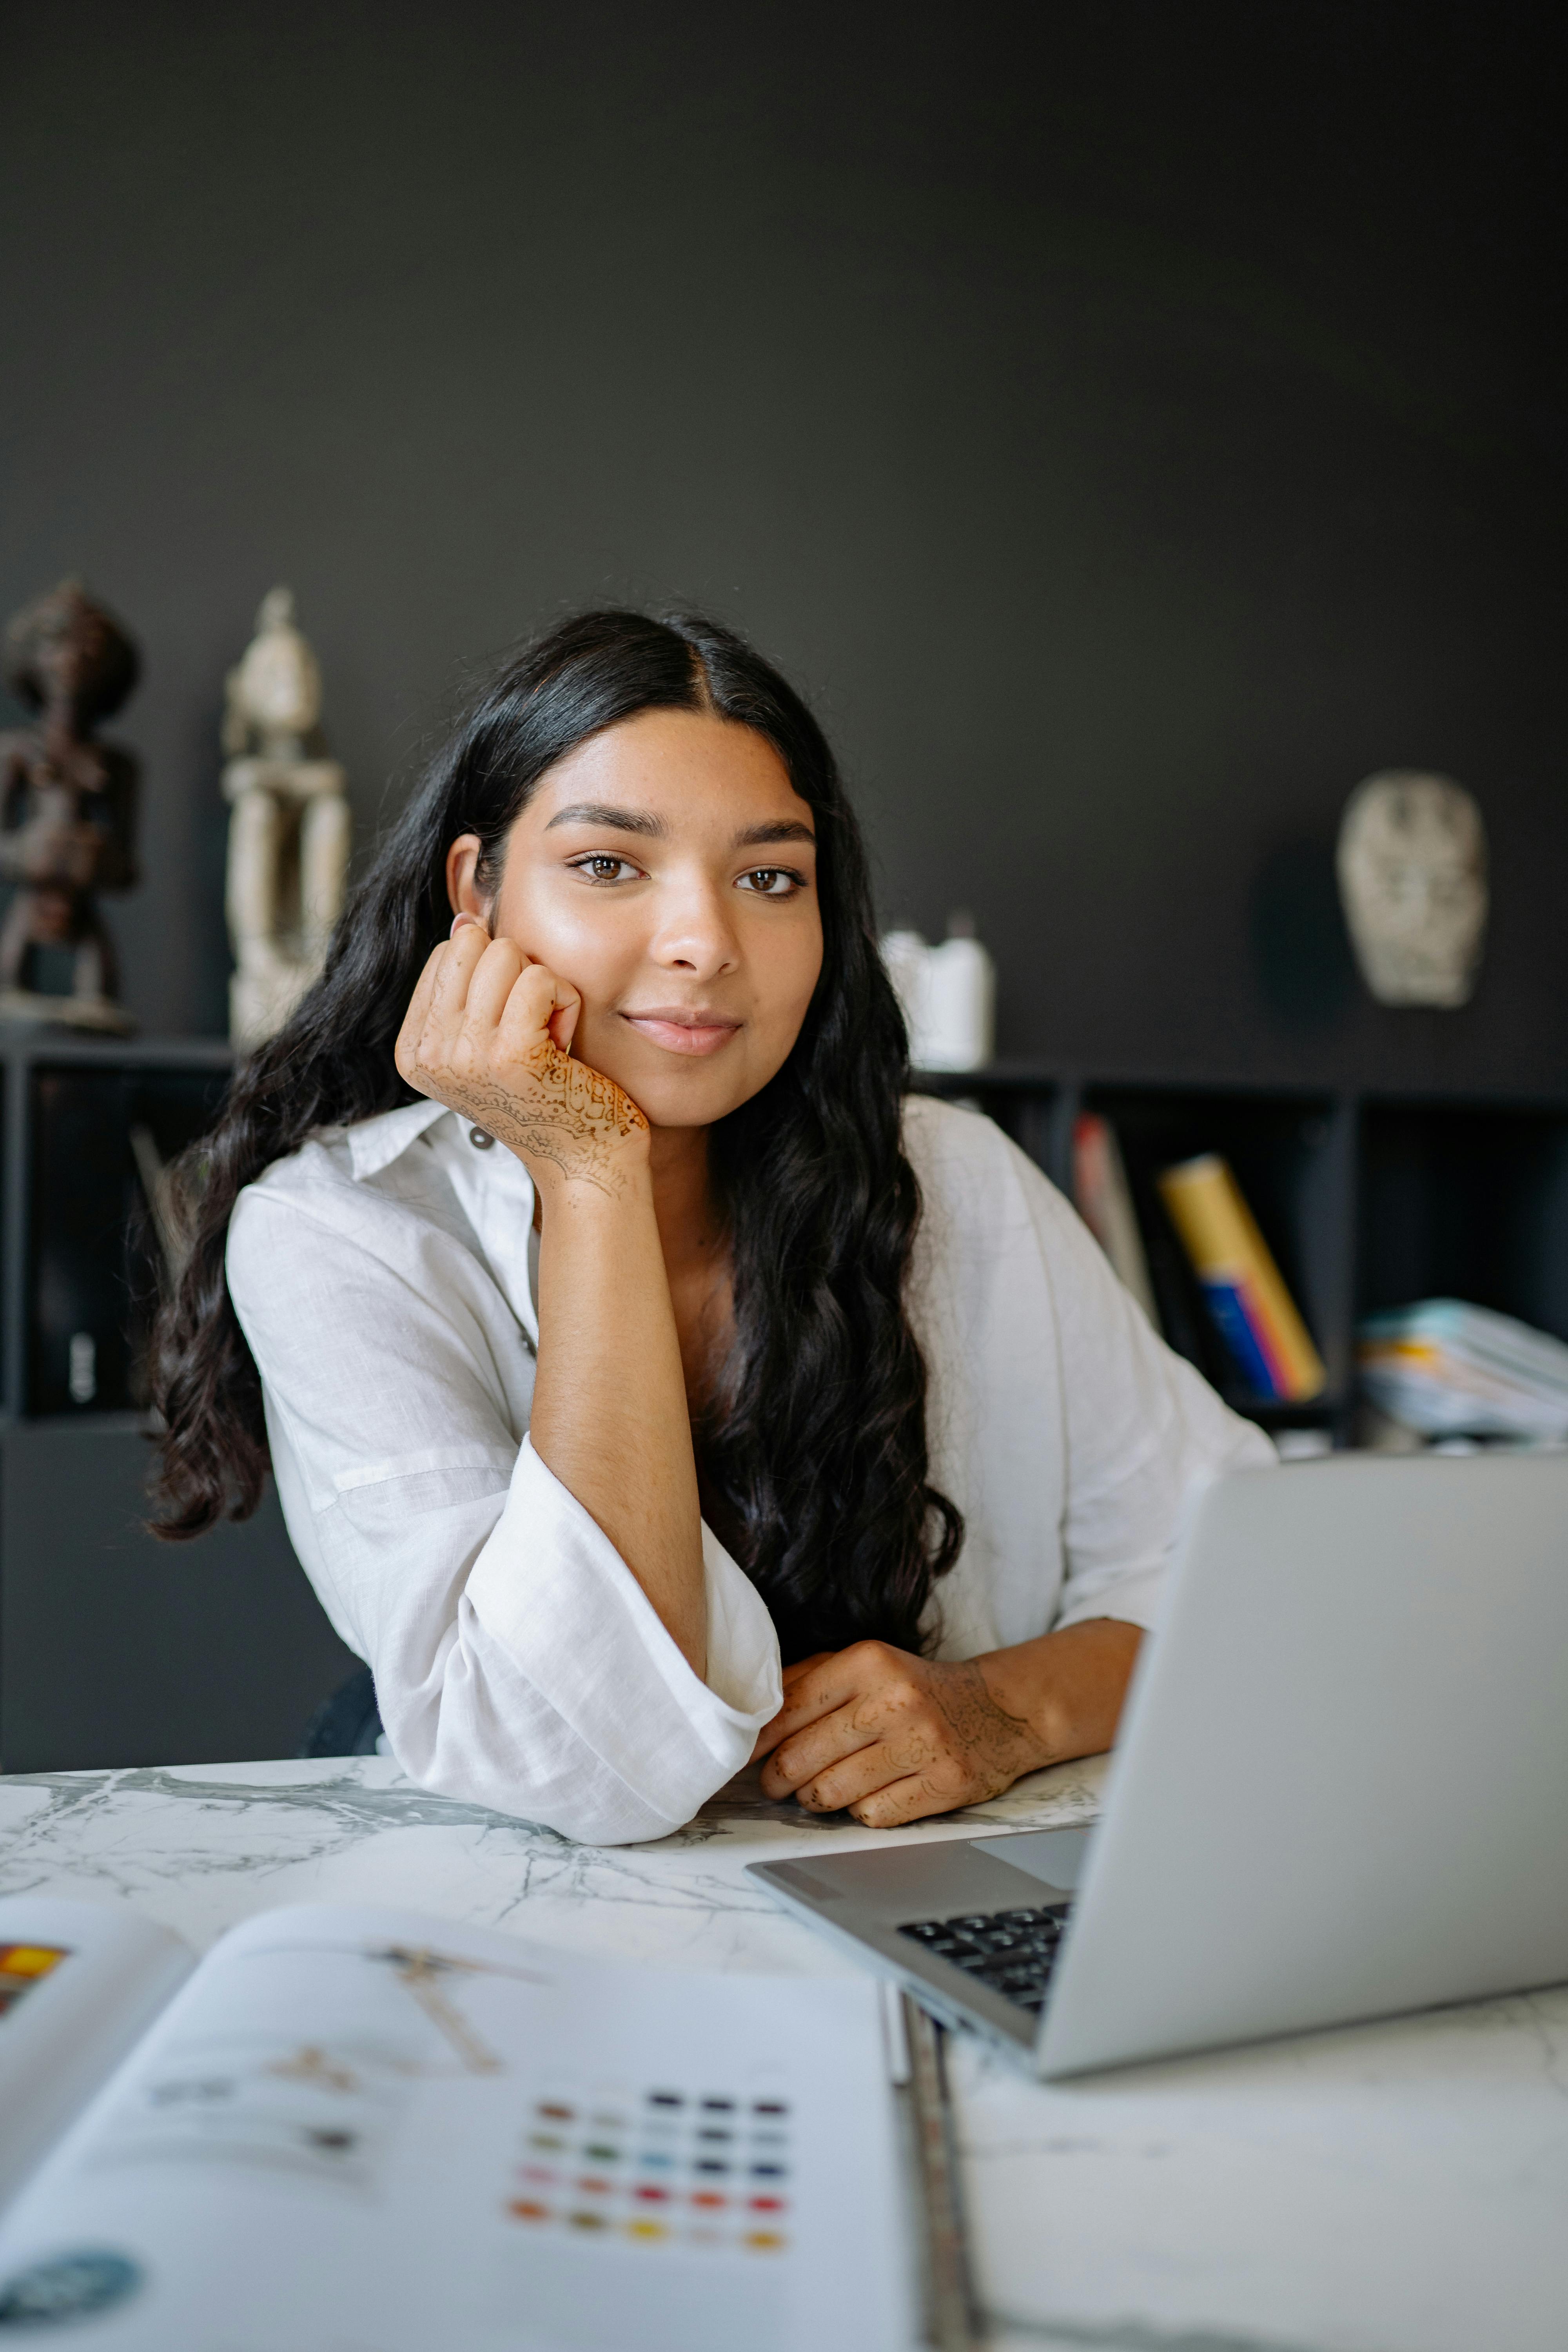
(1412,876)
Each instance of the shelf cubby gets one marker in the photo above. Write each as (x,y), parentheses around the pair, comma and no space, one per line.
(1465,1200)
(1290,1155)
(1365,1200)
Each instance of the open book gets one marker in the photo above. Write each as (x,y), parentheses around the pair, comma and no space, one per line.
(358,2130)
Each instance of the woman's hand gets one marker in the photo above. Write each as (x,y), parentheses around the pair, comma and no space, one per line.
(893,1737)
(489,1033)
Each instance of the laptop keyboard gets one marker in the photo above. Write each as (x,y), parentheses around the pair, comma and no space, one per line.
(1011,1951)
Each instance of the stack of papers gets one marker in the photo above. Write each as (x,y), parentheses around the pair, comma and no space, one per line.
(1448,1369)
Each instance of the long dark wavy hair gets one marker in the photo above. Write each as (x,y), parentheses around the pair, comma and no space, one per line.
(814,1443)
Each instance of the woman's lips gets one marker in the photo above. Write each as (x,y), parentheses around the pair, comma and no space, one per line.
(678,1032)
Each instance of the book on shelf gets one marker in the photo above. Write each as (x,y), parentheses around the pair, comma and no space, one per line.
(1104,1200)
(1448,1369)
(348,2126)
(1251,1309)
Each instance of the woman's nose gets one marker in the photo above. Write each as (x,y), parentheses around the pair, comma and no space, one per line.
(696,934)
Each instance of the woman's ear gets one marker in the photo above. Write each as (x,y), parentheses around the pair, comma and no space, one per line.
(462,869)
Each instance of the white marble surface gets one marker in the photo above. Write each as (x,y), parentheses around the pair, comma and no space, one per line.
(1401,2187)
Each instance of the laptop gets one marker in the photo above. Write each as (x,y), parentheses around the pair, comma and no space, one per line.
(1341,1790)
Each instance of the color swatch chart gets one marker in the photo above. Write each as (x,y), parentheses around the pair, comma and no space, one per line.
(692,2169)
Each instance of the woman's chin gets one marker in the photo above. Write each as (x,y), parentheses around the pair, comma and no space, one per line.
(695,1104)
(677,1091)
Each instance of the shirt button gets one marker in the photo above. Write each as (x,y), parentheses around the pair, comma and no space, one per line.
(479,1140)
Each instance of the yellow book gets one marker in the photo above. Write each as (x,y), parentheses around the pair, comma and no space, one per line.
(1255,1313)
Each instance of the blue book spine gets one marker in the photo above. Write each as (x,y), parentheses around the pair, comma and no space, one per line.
(1233,1325)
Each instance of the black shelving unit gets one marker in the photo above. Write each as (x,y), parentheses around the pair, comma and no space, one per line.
(116,1648)
(1366,1200)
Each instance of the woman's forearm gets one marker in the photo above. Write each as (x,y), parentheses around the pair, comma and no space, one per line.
(489,1034)
(609,1416)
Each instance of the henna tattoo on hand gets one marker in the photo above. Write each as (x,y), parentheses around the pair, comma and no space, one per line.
(556,1109)
(960,1743)
(939,1725)
(998,1747)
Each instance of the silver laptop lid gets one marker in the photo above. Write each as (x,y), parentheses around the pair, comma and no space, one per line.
(1341,1788)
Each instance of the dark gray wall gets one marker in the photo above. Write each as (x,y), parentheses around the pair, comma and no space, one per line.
(1131,424)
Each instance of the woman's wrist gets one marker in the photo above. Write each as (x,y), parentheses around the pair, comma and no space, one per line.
(603,1185)
(1066,1689)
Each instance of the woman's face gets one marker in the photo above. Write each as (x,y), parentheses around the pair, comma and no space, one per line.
(668,870)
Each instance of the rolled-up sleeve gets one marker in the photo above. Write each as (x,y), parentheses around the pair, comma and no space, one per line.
(517,1660)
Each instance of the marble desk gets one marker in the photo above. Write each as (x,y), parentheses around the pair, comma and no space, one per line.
(1401,2187)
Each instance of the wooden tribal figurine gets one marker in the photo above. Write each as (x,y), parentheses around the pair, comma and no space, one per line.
(290,834)
(68,808)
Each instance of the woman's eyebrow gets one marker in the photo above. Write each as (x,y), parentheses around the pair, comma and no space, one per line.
(783,828)
(619,819)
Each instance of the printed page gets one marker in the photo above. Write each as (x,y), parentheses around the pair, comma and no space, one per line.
(78,1982)
(368,2131)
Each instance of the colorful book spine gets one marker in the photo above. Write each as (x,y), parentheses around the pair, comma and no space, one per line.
(1252,1310)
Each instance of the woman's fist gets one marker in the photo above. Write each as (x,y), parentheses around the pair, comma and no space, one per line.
(489,1033)
(891,1737)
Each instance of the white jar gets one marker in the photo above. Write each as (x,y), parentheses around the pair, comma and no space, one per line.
(948,994)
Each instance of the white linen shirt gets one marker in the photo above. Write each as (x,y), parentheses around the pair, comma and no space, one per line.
(381,1276)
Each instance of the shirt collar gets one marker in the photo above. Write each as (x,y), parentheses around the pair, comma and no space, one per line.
(375,1143)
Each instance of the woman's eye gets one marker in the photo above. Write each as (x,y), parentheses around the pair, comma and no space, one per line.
(773,881)
(603,867)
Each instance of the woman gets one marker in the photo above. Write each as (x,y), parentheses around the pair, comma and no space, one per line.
(648,1383)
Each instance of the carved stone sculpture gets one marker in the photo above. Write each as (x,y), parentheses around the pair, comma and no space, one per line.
(290,834)
(68,808)
(1412,876)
